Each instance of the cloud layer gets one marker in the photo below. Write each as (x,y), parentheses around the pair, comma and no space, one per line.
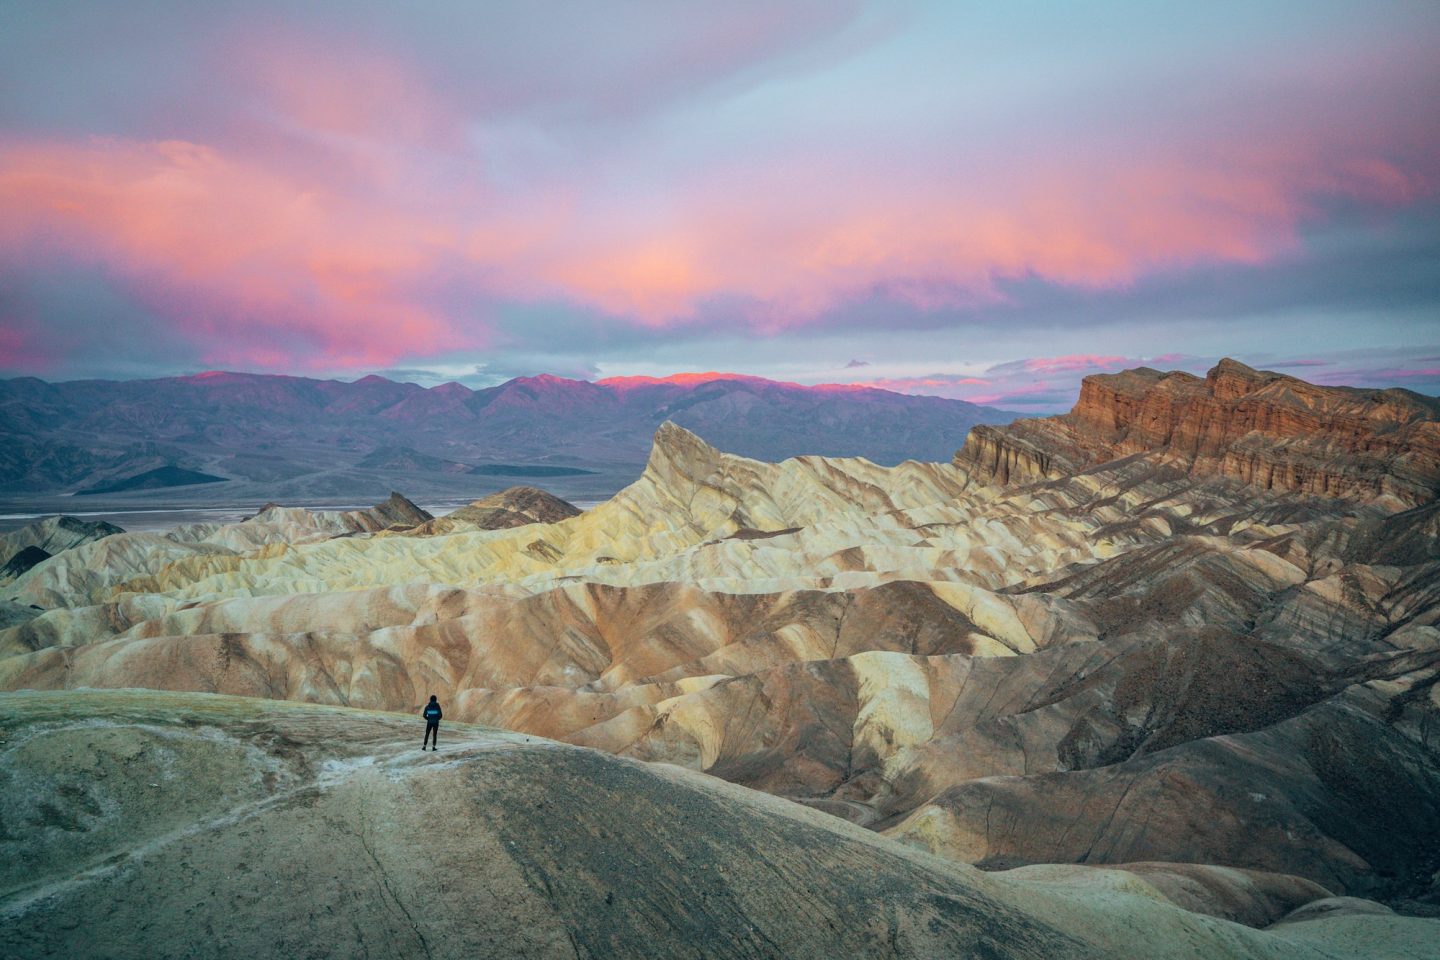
(615,188)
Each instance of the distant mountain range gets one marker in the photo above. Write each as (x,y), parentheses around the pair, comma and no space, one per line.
(296,438)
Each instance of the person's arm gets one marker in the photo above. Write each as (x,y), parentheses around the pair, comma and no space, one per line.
(439,714)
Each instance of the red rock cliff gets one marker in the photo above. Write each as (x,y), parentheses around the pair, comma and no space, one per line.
(1260,428)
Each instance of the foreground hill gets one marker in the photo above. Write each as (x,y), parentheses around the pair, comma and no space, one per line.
(293,438)
(143,825)
(1145,658)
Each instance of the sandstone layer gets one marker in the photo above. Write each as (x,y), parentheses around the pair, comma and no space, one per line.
(1264,429)
(1116,651)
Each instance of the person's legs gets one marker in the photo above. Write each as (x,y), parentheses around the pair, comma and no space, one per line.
(429,729)
(435,742)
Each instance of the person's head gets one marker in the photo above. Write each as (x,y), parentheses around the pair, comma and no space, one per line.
(432,698)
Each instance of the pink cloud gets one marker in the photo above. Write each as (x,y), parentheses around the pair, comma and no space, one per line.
(347,218)
(695,379)
(1076,361)
(236,252)
(802,239)
(1011,394)
(21,349)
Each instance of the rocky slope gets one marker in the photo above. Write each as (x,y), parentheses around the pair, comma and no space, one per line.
(1136,659)
(48,537)
(513,507)
(142,825)
(31,545)
(95,565)
(1263,429)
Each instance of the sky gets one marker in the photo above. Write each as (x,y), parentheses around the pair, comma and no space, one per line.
(985,201)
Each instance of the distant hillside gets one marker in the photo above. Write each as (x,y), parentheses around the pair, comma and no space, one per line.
(168,476)
(526,470)
(286,437)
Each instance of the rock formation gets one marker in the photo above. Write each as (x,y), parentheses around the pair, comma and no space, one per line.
(513,507)
(48,536)
(94,566)
(1089,641)
(23,561)
(1263,429)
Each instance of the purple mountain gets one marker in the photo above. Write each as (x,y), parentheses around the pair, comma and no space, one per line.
(277,436)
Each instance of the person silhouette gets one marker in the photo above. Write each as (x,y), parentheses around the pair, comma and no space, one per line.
(432,716)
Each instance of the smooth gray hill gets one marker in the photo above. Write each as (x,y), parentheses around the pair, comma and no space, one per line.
(140,824)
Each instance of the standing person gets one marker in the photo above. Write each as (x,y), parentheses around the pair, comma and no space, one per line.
(432,716)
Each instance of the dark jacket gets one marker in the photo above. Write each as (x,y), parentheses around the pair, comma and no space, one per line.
(431,713)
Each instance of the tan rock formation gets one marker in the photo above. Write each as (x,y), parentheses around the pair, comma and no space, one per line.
(1108,664)
(514,507)
(92,568)
(49,536)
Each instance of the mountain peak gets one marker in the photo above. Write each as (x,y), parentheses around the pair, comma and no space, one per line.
(451,389)
(690,380)
(548,379)
(1232,366)
(1230,379)
(680,380)
(677,450)
(215,376)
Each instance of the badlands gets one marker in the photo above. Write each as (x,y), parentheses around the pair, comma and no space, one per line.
(1154,678)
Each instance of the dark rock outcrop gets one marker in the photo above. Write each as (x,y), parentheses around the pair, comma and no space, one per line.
(23,561)
(394,512)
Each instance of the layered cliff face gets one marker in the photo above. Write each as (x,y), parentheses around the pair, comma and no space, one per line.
(1263,429)
(1134,656)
